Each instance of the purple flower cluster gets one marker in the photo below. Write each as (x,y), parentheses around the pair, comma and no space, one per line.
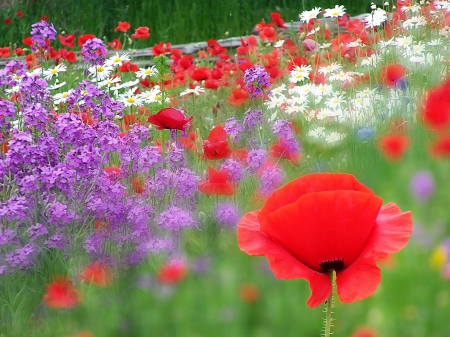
(256,159)
(256,79)
(175,219)
(252,118)
(422,185)
(94,52)
(41,31)
(235,170)
(234,128)
(226,215)
(271,179)
(282,129)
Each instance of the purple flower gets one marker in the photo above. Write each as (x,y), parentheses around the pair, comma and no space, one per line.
(94,51)
(56,241)
(175,219)
(422,185)
(226,215)
(21,257)
(256,78)
(252,118)
(234,128)
(256,159)
(41,31)
(35,116)
(36,231)
(271,179)
(235,170)
(185,182)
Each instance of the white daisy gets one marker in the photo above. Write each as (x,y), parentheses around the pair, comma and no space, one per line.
(343,76)
(316,132)
(305,16)
(117,60)
(298,74)
(129,98)
(49,73)
(61,97)
(334,137)
(142,73)
(335,101)
(322,90)
(99,73)
(275,101)
(330,68)
(196,91)
(279,44)
(335,12)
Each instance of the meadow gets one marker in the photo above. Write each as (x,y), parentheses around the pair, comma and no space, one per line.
(128,186)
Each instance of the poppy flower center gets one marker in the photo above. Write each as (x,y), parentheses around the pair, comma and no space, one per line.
(330,265)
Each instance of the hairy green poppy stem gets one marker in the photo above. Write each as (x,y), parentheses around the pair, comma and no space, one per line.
(329,305)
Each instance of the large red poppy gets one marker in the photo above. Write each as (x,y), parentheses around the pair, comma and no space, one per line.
(169,118)
(323,222)
(216,147)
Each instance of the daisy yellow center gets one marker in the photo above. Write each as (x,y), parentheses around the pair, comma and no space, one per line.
(117,59)
(157,97)
(131,100)
(100,69)
(148,72)
(335,13)
(54,71)
(64,95)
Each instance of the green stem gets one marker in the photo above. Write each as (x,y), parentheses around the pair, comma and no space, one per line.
(329,305)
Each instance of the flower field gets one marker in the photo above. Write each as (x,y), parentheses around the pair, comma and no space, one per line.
(229,192)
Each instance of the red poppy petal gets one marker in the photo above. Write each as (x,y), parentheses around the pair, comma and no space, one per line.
(217,134)
(325,226)
(317,182)
(392,230)
(255,242)
(358,281)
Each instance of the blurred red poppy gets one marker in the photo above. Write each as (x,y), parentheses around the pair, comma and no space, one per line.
(169,118)
(238,96)
(7,21)
(122,26)
(392,73)
(127,67)
(67,41)
(172,272)
(141,33)
(326,222)
(83,38)
(96,273)
(161,48)
(394,146)
(249,293)
(217,183)
(441,147)
(216,147)
(436,111)
(189,141)
(277,20)
(19,14)
(115,44)
(282,150)
(364,332)
(28,41)
(61,294)
(5,52)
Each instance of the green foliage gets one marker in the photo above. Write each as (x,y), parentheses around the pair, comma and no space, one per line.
(176,21)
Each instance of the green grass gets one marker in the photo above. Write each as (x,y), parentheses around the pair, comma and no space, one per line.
(176,21)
